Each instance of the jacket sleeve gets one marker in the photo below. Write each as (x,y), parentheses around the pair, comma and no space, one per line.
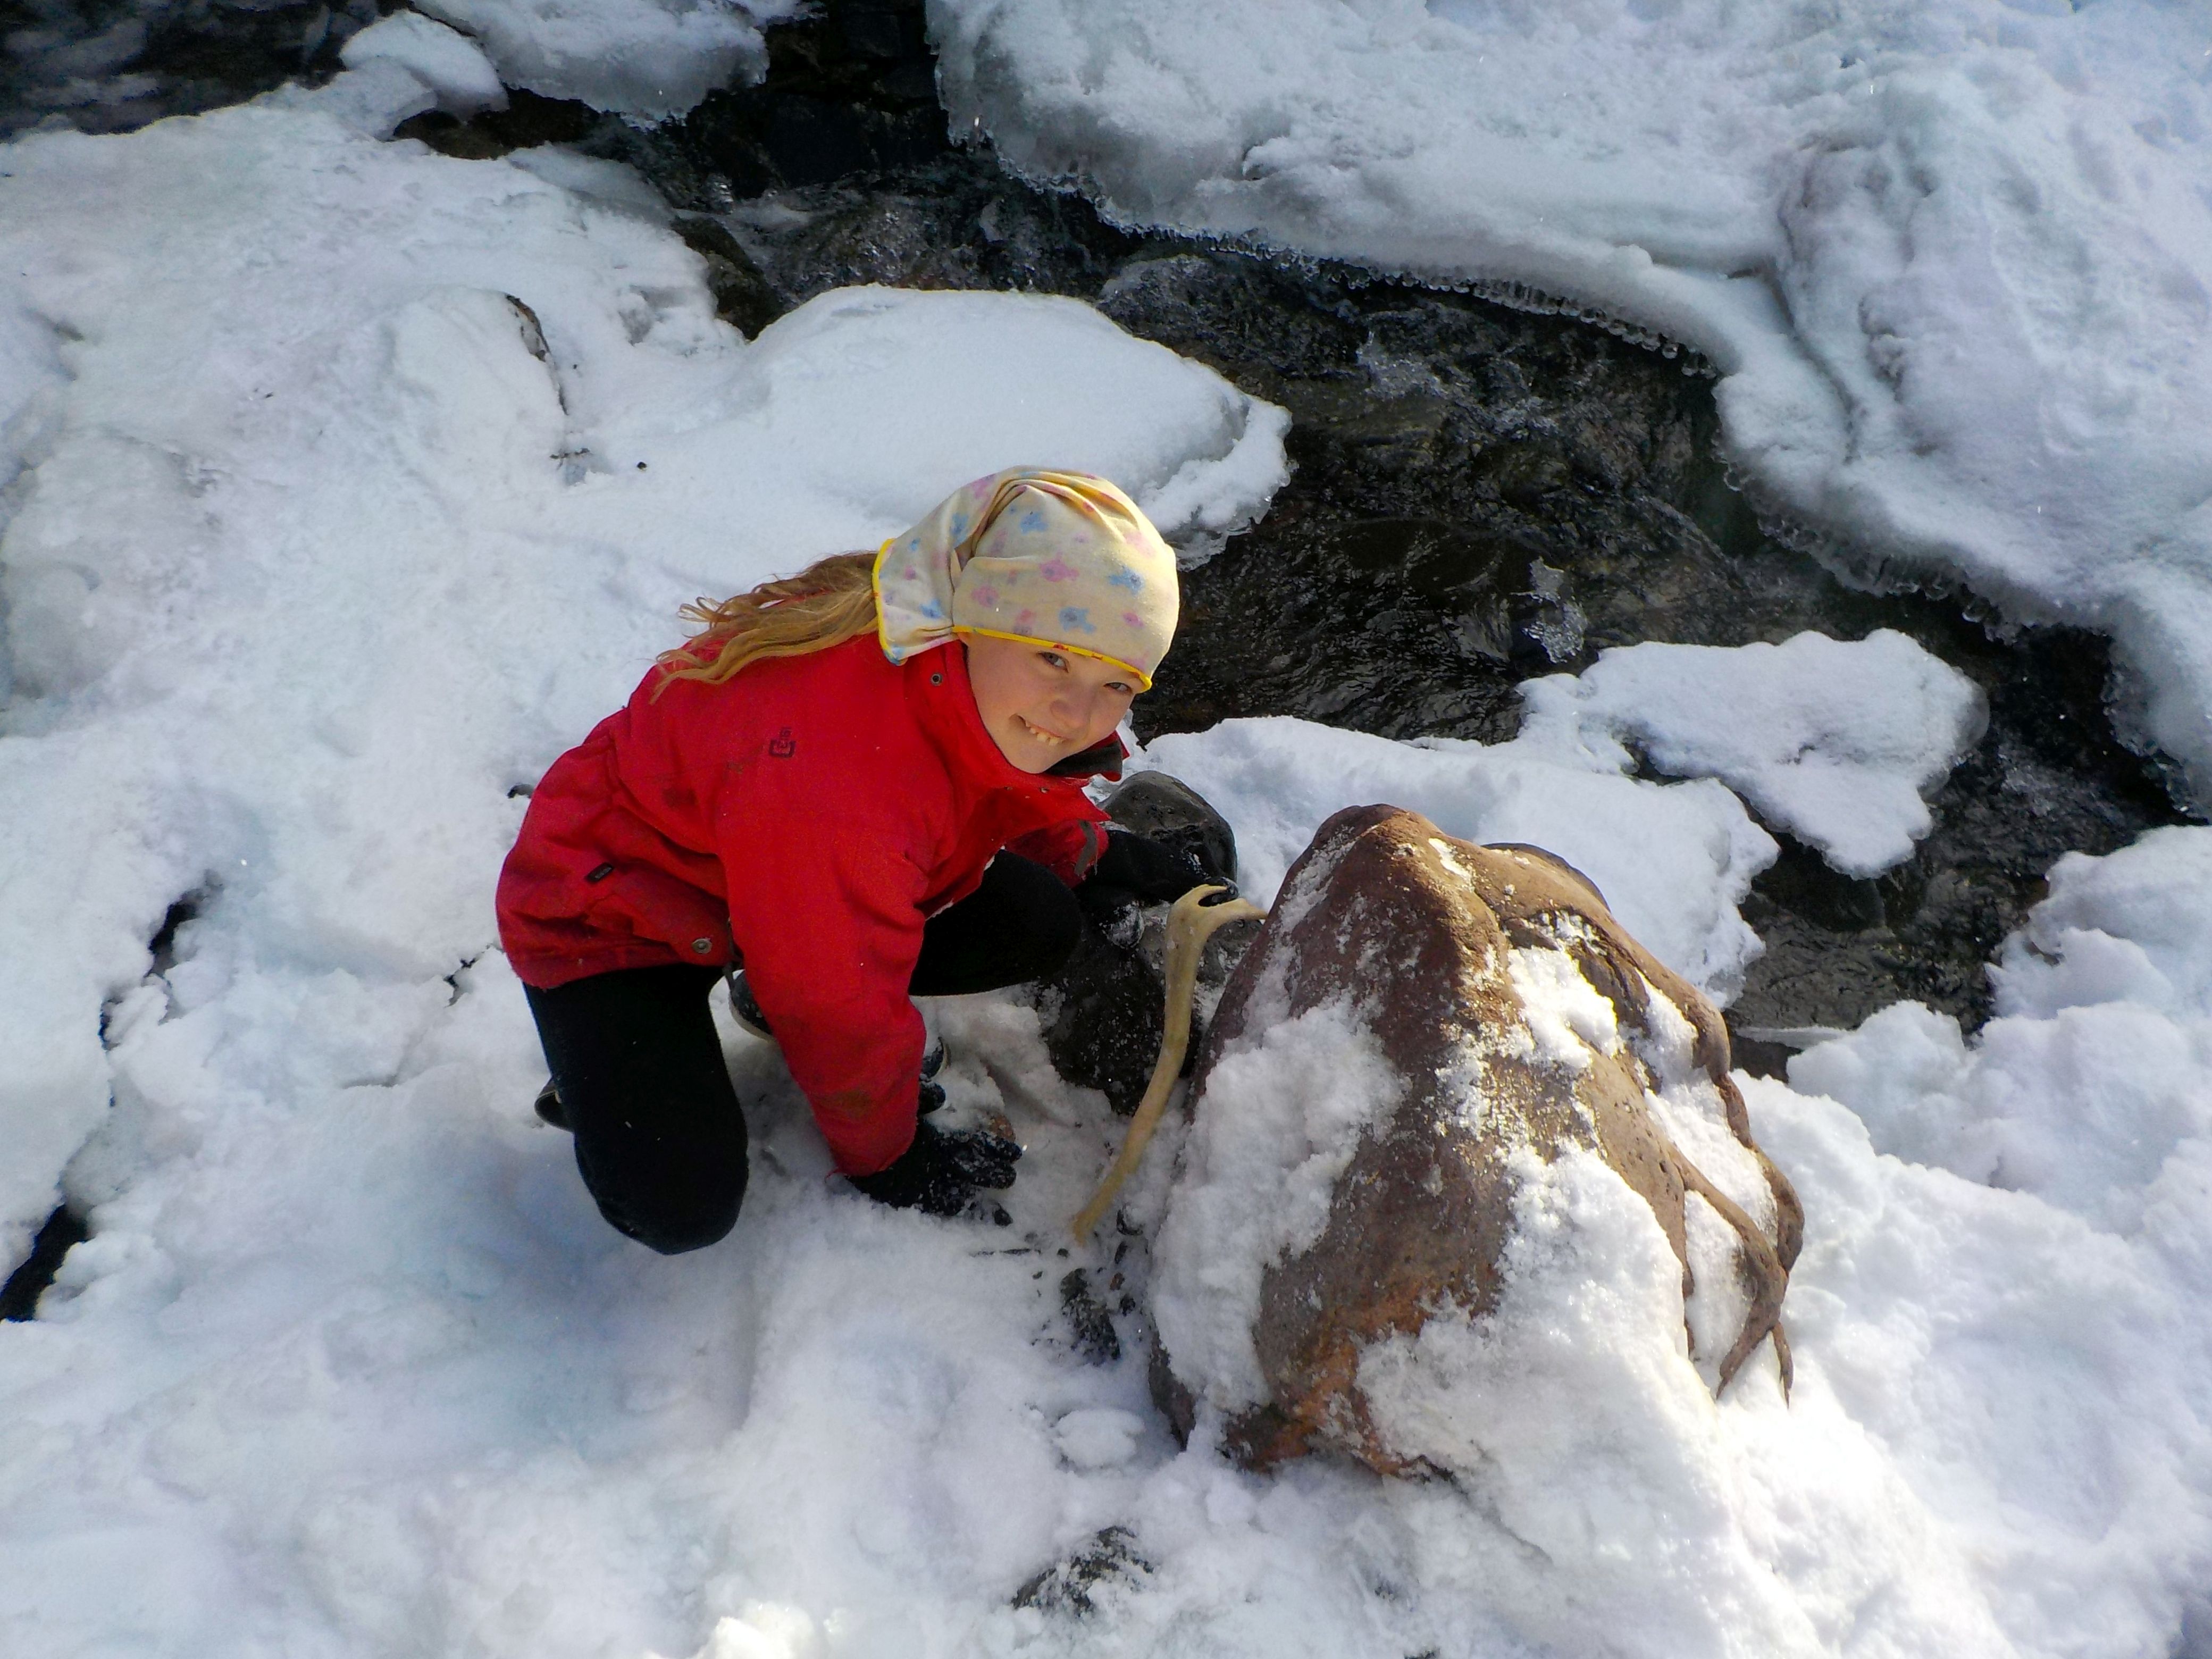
(825,907)
(1068,849)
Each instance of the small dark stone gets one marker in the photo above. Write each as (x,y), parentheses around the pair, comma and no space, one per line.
(1174,1401)
(61,1233)
(1089,1324)
(1103,1019)
(1168,809)
(529,120)
(1110,1558)
(742,298)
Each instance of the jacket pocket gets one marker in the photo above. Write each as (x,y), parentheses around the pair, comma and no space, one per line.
(652,904)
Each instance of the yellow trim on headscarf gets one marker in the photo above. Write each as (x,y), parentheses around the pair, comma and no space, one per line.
(1025,547)
(876,583)
(1143,680)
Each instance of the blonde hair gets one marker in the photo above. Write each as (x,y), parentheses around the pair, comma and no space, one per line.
(830,602)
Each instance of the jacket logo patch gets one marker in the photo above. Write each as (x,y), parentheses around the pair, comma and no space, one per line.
(783,745)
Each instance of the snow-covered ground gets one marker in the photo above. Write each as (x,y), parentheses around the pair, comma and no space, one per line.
(350,484)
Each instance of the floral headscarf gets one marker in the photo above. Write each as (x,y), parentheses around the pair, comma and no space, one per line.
(1063,559)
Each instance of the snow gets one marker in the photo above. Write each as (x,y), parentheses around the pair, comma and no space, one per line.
(1569,1021)
(448,63)
(2093,1077)
(1834,741)
(1673,860)
(1952,259)
(1292,1105)
(310,559)
(1643,1467)
(2071,1140)
(650,60)
(316,560)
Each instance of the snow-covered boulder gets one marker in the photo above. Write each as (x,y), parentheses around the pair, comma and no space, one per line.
(1422,1029)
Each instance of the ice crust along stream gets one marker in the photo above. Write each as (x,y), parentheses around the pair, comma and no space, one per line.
(312,560)
(1836,742)
(644,58)
(1954,262)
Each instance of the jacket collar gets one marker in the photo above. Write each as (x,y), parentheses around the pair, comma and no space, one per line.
(1101,760)
(943,702)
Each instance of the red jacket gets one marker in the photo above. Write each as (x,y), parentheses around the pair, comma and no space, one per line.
(805,818)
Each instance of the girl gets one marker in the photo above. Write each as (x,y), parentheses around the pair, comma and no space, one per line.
(860,785)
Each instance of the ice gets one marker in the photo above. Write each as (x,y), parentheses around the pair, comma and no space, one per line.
(327,529)
(448,63)
(647,58)
(1833,740)
(1952,259)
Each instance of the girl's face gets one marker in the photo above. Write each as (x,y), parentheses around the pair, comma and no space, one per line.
(1040,705)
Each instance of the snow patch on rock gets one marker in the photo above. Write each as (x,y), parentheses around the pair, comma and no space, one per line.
(1835,741)
(445,60)
(647,58)
(1284,1115)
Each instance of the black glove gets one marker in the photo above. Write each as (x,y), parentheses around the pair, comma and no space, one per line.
(942,1171)
(1155,872)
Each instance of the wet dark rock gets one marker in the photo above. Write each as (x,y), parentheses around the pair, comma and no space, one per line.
(62,1232)
(954,223)
(1168,810)
(1174,1402)
(1103,1012)
(1090,1325)
(113,65)
(529,119)
(850,89)
(1109,1560)
(2049,776)
(742,298)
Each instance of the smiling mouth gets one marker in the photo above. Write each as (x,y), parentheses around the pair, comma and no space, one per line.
(1051,738)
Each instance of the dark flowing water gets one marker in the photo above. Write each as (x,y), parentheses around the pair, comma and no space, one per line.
(111,65)
(1480,495)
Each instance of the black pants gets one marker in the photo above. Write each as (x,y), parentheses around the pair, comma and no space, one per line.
(660,1140)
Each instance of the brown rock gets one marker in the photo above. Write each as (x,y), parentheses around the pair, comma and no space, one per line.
(1413,929)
